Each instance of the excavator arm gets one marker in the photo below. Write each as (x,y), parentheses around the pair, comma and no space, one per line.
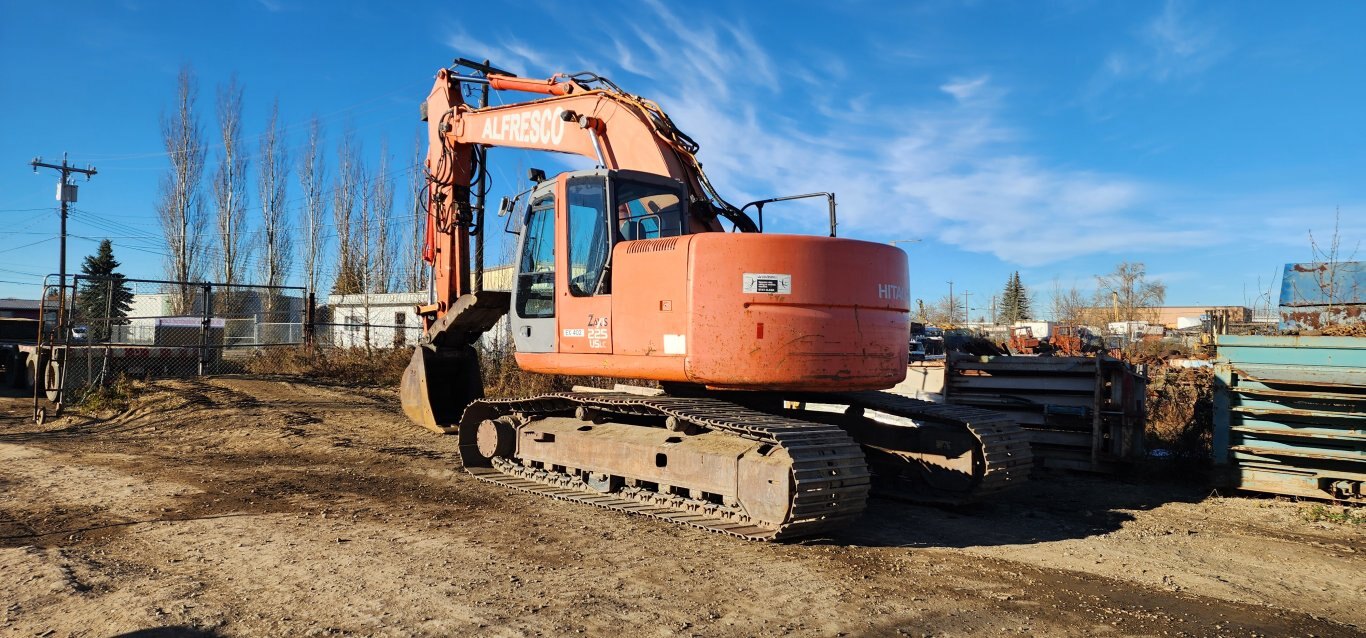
(616,129)
(582,115)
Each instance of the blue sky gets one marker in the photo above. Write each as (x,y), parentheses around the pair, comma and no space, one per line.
(1054,138)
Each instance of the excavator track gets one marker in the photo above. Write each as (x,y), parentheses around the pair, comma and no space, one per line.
(1002,459)
(829,475)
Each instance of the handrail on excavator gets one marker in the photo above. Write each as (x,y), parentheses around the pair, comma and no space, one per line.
(759,207)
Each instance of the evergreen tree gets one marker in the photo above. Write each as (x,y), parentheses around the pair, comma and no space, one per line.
(104,294)
(1015,300)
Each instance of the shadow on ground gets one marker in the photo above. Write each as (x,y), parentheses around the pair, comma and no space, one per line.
(1055,505)
(168,632)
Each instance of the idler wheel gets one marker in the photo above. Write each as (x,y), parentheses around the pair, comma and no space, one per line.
(496,438)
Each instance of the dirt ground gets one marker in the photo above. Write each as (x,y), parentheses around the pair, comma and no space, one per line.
(254,507)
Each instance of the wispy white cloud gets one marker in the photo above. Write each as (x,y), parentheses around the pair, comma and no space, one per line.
(505,52)
(626,58)
(1171,46)
(1179,45)
(966,89)
(956,172)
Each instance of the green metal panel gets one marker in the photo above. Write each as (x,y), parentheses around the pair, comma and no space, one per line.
(1290,414)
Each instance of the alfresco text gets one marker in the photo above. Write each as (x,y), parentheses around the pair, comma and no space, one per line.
(544,126)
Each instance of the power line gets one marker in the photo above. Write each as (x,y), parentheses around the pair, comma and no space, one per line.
(110,225)
(41,241)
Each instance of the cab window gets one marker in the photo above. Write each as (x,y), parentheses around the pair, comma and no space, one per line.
(536,269)
(648,211)
(589,241)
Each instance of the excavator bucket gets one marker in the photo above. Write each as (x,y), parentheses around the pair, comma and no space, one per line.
(443,377)
(438,384)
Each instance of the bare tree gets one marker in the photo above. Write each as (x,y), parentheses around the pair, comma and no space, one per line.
(1328,262)
(381,208)
(362,242)
(346,191)
(180,208)
(272,184)
(230,187)
(312,176)
(1068,306)
(1130,293)
(363,236)
(942,313)
(415,271)
(1264,303)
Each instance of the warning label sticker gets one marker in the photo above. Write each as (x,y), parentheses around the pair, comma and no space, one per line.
(768,283)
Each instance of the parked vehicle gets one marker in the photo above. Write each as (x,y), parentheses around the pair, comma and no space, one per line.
(917,350)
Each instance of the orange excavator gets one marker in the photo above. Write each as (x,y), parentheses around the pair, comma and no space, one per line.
(771,350)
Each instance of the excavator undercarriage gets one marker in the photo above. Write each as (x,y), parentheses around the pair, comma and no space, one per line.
(704,462)
(718,465)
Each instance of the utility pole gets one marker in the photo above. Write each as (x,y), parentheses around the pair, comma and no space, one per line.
(967,311)
(480,192)
(952,318)
(66,192)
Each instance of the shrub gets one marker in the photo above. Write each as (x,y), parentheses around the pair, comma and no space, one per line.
(115,396)
(1180,406)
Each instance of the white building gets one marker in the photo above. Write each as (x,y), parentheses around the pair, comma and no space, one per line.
(245,303)
(239,320)
(389,320)
(384,320)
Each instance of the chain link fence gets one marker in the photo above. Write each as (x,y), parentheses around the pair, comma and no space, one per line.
(104,328)
(147,328)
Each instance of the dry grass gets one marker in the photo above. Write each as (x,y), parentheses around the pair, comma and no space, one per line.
(350,366)
(384,367)
(1181,411)
(503,378)
(110,397)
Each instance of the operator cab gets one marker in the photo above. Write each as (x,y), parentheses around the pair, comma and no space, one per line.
(597,209)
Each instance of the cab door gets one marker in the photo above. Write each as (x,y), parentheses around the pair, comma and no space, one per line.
(533,291)
(583,289)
